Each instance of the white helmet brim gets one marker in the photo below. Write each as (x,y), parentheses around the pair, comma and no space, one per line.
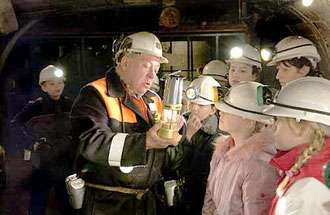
(252,115)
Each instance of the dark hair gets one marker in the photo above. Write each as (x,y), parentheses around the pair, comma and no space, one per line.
(300,63)
(256,71)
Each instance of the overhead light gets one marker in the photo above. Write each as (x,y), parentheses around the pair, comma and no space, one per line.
(236,52)
(307,3)
(266,54)
(58,73)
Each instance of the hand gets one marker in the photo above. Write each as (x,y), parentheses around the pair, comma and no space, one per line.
(36,145)
(153,141)
(193,125)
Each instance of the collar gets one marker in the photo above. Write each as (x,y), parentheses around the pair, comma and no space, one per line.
(114,85)
(210,124)
(263,141)
(284,160)
(129,90)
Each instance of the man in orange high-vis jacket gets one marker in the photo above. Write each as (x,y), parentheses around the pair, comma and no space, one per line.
(113,123)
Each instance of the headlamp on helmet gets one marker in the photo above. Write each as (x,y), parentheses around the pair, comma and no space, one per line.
(51,73)
(58,73)
(247,54)
(192,93)
(266,54)
(326,173)
(266,95)
(236,52)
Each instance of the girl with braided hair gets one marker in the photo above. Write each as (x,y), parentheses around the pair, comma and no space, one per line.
(302,134)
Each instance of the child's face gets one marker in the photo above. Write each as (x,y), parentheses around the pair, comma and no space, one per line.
(289,135)
(53,88)
(287,72)
(202,111)
(240,72)
(230,123)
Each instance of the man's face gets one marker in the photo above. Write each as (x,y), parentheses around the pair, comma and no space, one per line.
(287,73)
(240,72)
(140,71)
(53,88)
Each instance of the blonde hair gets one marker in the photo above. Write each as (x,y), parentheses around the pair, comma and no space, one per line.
(316,146)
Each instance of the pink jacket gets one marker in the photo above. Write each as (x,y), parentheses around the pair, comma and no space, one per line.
(241,181)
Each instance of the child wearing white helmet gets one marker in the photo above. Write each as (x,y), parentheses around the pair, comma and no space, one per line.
(245,67)
(46,127)
(294,57)
(217,70)
(303,136)
(241,181)
(51,81)
(198,145)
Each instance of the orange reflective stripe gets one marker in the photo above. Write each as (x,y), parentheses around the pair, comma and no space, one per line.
(112,104)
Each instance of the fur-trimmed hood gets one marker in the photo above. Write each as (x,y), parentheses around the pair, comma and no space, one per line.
(263,141)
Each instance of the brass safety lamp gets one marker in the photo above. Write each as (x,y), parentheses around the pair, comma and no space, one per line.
(171,107)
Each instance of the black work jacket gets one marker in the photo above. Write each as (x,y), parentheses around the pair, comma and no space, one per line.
(94,130)
(196,165)
(48,120)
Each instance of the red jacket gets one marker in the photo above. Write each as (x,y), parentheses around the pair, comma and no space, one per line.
(312,168)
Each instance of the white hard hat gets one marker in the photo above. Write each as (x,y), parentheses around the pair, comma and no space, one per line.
(249,56)
(305,98)
(216,69)
(241,100)
(51,73)
(143,43)
(155,85)
(295,47)
(204,85)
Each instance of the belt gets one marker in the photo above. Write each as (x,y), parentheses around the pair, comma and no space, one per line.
(137,192)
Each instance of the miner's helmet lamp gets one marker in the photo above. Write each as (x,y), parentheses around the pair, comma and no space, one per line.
(192,93)
(326,173)
(266,95)
(51,73)
(205,90)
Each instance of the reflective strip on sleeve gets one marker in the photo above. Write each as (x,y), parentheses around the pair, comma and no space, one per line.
(116,149)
